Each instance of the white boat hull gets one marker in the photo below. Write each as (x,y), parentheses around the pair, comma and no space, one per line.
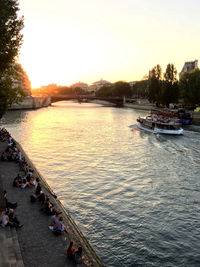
(160,131)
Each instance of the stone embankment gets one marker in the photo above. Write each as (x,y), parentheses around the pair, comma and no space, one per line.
(196,118)
(31,102)
(38,245)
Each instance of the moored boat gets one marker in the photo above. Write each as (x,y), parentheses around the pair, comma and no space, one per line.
(154,125)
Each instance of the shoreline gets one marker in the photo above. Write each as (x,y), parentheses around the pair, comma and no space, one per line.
(148,107)
(35,235)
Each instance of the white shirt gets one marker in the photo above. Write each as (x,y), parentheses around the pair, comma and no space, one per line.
(4,219)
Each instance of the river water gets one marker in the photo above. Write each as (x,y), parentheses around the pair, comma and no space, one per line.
(135,195)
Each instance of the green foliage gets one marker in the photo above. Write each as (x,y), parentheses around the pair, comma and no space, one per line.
(64,91)
(10,89)
(163,91)
(122,89)
(105,91)
(155,85)
(189,85)
(140,88)
(10,37)
(170,89)
(118,89)
(170,74)
(79,91)
(170,93)
(10,41)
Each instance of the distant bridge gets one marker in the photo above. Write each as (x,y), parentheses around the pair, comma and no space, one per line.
(118,101)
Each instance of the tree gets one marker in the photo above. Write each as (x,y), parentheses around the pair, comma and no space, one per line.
(122,89)
(189,86)
(79,91)
(170,90)
(155,85)
(10,42)
(10,87)
(139,89)
(105,91)
(118,89)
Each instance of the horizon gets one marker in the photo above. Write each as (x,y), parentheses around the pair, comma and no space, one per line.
(66,42)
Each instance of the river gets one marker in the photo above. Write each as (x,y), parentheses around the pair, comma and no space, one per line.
(135,195)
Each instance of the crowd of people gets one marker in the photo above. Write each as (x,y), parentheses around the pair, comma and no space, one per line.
(27,178)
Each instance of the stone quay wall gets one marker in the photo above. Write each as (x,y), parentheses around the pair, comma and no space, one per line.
(31,102)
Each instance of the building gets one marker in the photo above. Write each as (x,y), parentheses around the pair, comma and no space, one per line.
(188,66)
(20,79)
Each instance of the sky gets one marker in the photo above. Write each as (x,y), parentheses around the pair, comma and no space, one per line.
(66,41)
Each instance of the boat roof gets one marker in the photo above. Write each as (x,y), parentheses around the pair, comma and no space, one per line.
(171,122)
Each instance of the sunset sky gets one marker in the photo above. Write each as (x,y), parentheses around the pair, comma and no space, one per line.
(66,41)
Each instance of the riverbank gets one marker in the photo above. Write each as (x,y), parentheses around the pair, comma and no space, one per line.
(32,102)
(148,107)
(39,246)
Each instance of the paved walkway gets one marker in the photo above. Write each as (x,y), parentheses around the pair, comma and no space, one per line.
(39,246)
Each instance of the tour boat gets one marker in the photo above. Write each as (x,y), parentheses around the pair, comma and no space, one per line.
(181,115)
(155,125)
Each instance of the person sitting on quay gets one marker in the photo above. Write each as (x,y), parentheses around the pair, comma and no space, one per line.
(60,227)
(9,220)
(71,251)
(10,141)
(30,179)
(2,212)
(49,208)
(79,259)
(19,156)
(17,181)
(8,203)
(13,218)
(26,169)
(42,199)
(55,218)
(4,135)
(38,189)
(22,164)
(9,154)
(25,183)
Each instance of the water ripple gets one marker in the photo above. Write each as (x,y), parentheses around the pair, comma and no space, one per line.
(134,195)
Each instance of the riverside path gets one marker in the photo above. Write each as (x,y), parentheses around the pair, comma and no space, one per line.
(39,246)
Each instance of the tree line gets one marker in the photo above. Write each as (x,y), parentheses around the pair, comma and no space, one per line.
(160,88)
(165,89)
(10,42)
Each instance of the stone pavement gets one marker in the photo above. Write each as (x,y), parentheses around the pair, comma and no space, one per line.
(39,246)
(10,253)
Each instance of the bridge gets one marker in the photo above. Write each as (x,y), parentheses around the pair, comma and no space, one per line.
(118,101)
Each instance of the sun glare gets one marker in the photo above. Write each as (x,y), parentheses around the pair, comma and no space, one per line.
(70,41)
